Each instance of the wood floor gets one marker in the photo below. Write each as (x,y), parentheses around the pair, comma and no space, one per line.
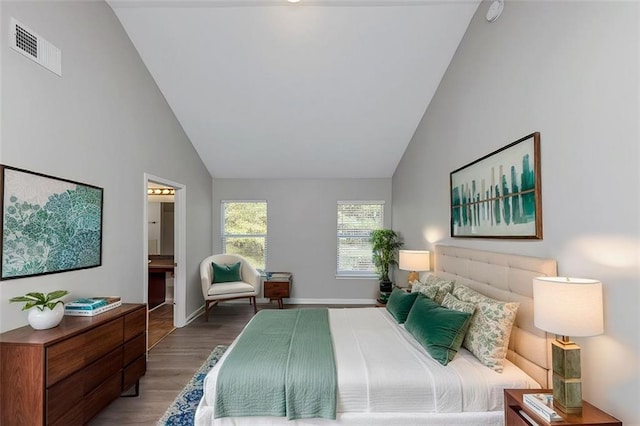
(174,360)
(160,324)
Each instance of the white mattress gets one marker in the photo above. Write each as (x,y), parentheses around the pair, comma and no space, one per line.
(384,374)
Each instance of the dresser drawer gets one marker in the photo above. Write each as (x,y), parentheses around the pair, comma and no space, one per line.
(67,393)
(134,348)
(101,370)
(102,396)
(77,352)
(64,399)
(74,416)
(276,289)
(135,323)
(133,372)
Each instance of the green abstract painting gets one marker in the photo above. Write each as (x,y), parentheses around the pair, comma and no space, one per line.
(499,195)
(49,224)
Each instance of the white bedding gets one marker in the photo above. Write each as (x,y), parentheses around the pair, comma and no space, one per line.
(385,375)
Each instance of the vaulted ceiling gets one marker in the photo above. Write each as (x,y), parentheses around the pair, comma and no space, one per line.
(314,89)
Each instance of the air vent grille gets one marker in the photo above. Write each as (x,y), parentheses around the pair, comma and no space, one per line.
(26,41)
(34,47)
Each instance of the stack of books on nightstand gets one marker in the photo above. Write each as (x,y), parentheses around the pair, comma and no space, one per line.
(88,307)
(542,405)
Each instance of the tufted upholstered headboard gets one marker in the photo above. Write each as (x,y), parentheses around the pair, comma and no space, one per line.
(509,278)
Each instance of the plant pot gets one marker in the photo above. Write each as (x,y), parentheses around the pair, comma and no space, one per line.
(47,318)
(386,286)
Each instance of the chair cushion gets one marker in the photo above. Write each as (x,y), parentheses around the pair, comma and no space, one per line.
(226,273)
(240,287)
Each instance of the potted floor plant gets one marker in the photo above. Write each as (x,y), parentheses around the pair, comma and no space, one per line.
(45,311)
(384,245)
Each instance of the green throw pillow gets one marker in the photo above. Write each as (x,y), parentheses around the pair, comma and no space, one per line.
(439,330)
(400,303)
(226,273)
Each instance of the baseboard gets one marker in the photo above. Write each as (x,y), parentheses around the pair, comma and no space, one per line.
(296,301)
(292,301)
(194,315)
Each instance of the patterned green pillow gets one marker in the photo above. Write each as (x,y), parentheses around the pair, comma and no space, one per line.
(452,303)
(490,328)
(427,291)
(434,284)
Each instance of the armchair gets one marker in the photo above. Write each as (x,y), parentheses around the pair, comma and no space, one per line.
(249,287)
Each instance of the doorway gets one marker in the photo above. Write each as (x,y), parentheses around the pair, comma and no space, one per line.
(166,245)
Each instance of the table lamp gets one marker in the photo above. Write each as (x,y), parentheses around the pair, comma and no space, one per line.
(414,261)
(567,307)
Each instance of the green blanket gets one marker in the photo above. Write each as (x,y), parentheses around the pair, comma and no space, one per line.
(282,365)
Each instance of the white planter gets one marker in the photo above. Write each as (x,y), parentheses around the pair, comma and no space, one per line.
(47,318)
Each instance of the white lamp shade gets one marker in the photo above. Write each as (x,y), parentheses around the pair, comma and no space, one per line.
(568,306)
(414,260)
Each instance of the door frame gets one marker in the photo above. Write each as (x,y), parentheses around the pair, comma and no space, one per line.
(179,247)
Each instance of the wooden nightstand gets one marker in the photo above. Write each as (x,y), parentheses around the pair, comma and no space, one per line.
(513,405)
(278,287)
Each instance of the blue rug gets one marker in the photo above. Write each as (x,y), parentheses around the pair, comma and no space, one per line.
(183,409)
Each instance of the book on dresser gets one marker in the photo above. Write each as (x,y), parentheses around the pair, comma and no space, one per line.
(542,405)
(90,306)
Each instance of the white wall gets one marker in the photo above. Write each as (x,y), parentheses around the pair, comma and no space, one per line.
(569,70)
(302,230)
(104,122)
(154,224)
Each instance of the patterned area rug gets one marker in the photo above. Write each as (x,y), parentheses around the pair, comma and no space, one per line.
(183,409)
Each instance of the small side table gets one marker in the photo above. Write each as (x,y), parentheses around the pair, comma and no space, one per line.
(278,287)
(513,406)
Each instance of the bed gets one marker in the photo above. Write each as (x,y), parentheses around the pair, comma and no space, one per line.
(384,376)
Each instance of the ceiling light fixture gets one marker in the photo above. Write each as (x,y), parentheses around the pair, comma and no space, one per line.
(293,1)
(495,10)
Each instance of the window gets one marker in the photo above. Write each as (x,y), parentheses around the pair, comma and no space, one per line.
(244,230)
(356,220)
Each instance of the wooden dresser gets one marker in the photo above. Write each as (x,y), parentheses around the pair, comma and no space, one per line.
(67,374)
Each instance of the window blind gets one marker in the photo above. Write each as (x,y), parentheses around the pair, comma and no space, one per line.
(356,220)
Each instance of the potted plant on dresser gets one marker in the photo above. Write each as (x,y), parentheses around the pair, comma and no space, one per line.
(45,311)
(384,245)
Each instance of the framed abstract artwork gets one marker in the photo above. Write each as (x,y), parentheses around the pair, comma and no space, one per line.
(499,195)
(49,224)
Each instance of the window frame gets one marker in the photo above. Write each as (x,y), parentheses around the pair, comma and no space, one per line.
(343,274)
(224,235)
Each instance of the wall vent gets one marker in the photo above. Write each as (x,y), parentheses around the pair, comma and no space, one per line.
(34,47)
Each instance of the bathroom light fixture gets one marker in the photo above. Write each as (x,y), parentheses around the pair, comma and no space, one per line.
(161,191)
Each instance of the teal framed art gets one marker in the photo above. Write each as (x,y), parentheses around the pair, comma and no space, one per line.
(49,224)
(499,195)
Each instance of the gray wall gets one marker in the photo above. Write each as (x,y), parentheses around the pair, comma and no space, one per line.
(302,234)
(104,122)
(569,70)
